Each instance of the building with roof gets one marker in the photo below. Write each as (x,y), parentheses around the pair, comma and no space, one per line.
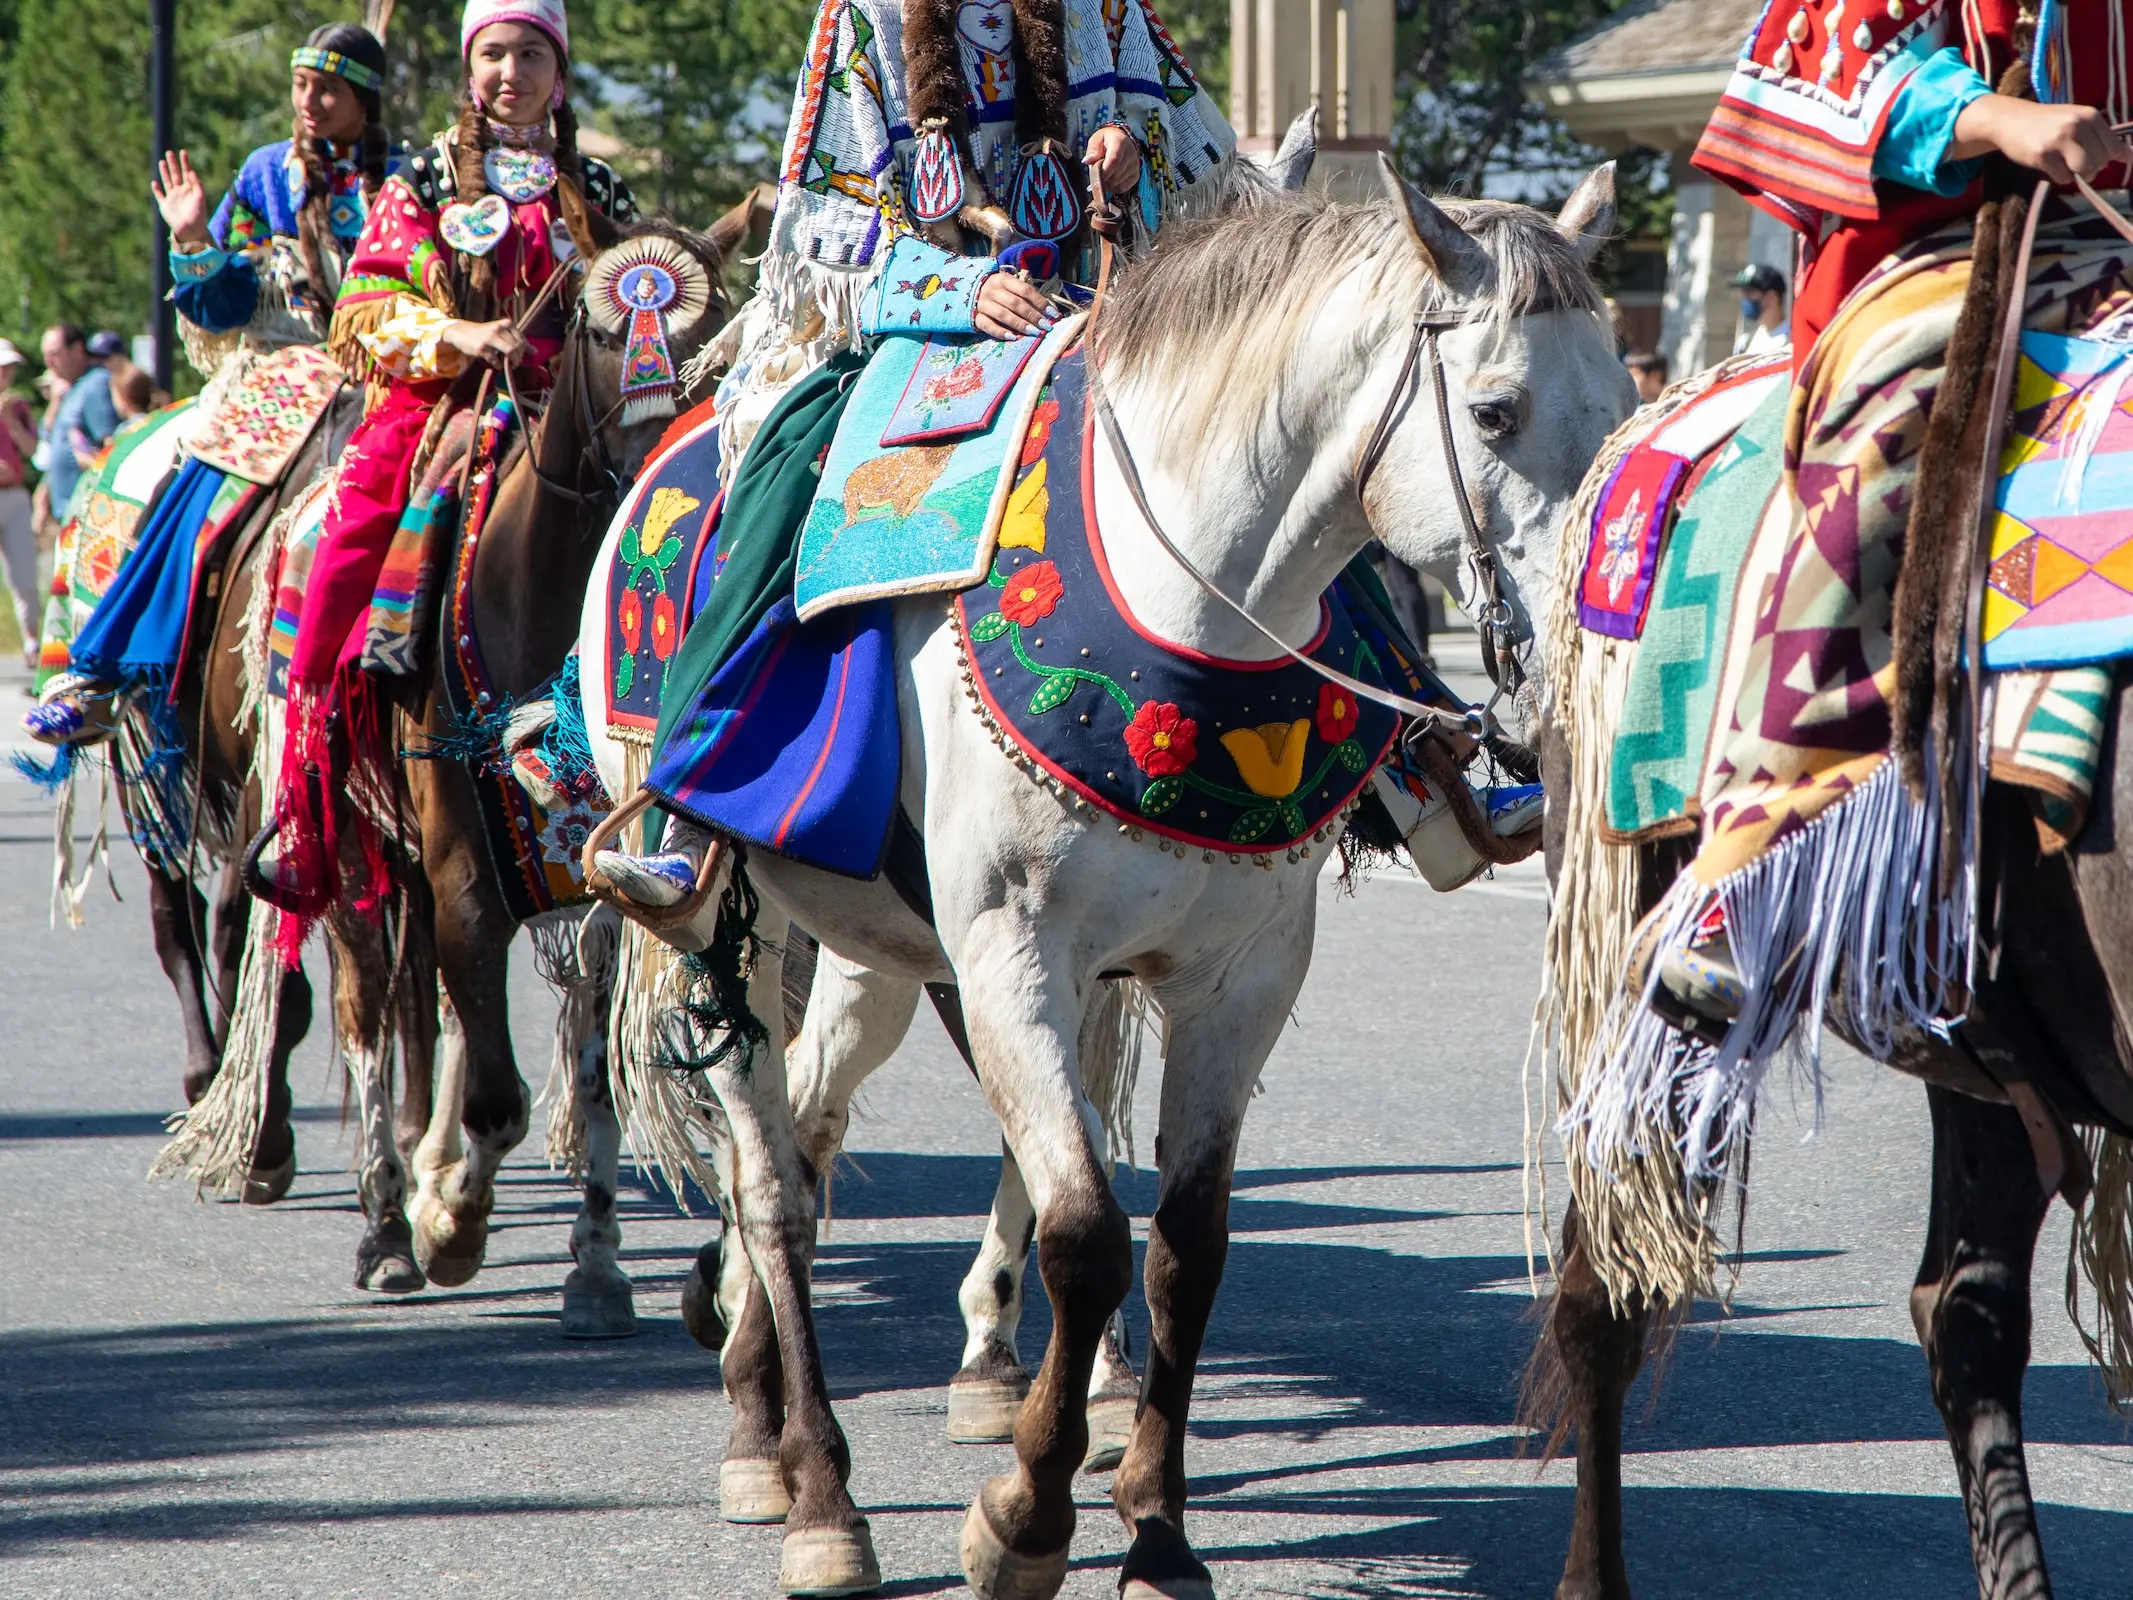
(1650,77)
(1289,55)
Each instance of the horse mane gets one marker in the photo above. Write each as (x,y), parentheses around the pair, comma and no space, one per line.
(1220,303)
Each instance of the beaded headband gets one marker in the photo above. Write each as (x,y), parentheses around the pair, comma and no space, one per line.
(307,55)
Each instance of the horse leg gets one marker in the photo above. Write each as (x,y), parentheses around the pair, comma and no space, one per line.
(828,1547)
(1971,1308)
(597,1300)
(362,968)
(418,1034)
(1214,1060)
(177,912)
(274,1154)
(1586,1360)
(985,1396)
(1017,1532)
(454,1196)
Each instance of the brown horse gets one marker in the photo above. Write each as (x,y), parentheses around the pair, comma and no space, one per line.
(2044,1050)
(204,959)
(545,525)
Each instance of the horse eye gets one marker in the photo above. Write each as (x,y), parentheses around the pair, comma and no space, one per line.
(1496,419)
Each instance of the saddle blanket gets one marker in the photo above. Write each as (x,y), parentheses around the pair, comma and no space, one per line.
(268,412)
(795,745)
(1636,510)
(106,521)
(662,566)
(2060,588)
(918,518)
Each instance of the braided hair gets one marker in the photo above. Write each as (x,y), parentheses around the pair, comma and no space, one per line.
(474,277)
(314,225)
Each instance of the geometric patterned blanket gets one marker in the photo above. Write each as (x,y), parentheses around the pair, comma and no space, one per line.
(2060,590)
(268,412)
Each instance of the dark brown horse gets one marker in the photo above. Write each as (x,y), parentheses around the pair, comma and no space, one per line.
(2043,1051)
(204,959)
(551,509)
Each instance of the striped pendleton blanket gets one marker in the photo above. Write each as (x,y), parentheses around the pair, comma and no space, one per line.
(1828,872)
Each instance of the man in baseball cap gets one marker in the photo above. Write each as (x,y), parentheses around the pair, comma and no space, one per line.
(1763,322)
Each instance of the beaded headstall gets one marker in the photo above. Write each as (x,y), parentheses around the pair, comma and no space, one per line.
(650,290)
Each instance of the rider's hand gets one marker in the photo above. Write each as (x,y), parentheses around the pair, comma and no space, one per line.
(497,343)
(182,201)
(1010,306)
(2062,142)
(1116,158)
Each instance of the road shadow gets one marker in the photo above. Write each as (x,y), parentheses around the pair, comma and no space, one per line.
(1311,1339)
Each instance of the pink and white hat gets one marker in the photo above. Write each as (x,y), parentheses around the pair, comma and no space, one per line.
(547,15)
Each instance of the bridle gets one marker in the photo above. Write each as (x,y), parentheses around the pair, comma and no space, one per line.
(593,451)
(1494,624)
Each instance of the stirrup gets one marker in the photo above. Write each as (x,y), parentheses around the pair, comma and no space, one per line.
(80,713)
(663,922)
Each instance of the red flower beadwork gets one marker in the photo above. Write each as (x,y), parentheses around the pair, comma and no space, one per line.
(1032,594)
(629,612)
(1162,741)
(1336,713)
(662,627)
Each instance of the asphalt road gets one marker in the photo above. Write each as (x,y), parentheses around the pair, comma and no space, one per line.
(196,1402)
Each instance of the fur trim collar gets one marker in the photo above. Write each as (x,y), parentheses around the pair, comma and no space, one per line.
(936,89)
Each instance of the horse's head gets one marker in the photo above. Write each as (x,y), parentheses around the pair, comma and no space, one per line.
(650,304)
(1533,385)
(1276,359)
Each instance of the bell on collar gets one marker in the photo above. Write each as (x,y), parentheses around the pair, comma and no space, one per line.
(1043,204)
(936,174)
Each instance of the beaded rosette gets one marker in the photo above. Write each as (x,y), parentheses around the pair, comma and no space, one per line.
(649,290)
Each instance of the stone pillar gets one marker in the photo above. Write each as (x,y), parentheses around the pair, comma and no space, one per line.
(1710,245)
(1286,55)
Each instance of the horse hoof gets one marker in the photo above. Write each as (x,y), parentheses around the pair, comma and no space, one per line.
(385,1261)
(450,1247)
(1110,1430)
(995,1572)
(1167,1589)
(598,1306)
(265,1185)
(984,1410)
(752,1492)
(829,1561)
(699,1302)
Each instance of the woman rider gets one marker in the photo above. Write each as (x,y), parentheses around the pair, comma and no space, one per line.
(1863,128)
(457,250)
(924,134)
(258,276)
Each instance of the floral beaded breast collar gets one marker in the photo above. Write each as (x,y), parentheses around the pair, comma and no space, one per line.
(1237,759)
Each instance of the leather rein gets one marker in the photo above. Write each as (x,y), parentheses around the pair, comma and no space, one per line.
(1495,623)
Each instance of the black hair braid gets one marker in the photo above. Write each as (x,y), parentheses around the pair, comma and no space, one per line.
(474,277)
(313,216)
(590,230)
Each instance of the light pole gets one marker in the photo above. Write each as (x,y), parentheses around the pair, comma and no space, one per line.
(162,93)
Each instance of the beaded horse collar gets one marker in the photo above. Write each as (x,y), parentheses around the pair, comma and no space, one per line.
(1237,759)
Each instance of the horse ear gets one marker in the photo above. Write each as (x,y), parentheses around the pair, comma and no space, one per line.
(1450,252)
(746,226)
(1587,219)
(1292,163)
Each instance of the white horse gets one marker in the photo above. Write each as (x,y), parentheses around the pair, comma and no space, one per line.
(1248,361)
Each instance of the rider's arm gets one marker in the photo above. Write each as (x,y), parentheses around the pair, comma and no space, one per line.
(217,287)
(411,342)
(923,288)
(1916,143)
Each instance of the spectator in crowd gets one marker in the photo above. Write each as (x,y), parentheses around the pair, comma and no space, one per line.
(106,348)
(1764,324)
(133,391)
(82,418)
(18,536)
(1648,370)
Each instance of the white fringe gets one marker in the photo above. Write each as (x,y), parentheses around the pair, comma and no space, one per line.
(69,892)
(1111,1067)
(212,1143)
(1829,916)
(575,954)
